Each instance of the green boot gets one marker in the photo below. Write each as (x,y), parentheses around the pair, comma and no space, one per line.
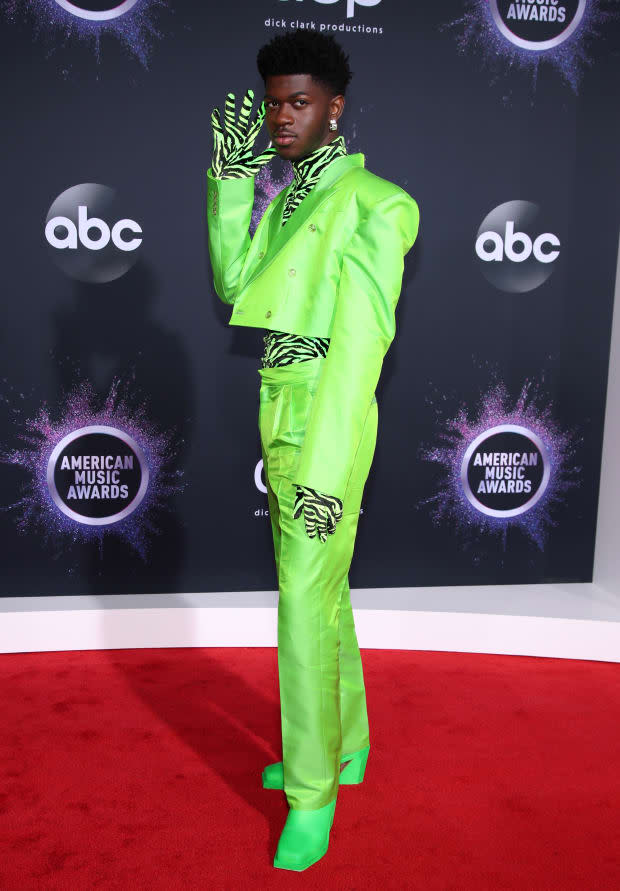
(351,774)
(305,837)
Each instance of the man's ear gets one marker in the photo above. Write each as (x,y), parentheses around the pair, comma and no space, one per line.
(336,106)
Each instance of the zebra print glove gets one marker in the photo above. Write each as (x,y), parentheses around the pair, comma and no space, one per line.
(321,512)
(232,150)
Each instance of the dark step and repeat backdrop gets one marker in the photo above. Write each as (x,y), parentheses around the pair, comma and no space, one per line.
(130,451)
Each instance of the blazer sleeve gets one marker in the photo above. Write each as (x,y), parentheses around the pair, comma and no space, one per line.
(362,330)
(229,212)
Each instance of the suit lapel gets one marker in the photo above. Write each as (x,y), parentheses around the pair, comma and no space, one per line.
(279,235)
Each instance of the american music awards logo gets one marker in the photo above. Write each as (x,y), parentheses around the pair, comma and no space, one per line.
(525,34)
(97,474)
(505,470)
(94,468)
(132,22)
(504,463)
(537,24)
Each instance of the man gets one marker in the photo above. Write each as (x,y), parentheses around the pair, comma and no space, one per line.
(322,274)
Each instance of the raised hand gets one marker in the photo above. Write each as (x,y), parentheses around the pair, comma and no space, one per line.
(321,512)
(233,143)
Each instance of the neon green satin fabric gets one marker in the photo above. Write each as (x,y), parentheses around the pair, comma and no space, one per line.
(334,270)
(287,278)
(322,695)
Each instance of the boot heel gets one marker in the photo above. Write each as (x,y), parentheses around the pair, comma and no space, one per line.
(356,767)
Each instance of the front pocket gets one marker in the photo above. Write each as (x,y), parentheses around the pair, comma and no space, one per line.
(286,415)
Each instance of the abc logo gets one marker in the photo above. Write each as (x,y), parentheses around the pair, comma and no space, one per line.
(516,255)
(88,235)
(351,4)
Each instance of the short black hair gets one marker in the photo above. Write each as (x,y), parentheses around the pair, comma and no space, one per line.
(306,52)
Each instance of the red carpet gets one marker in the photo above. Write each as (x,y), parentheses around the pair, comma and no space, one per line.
(141,769)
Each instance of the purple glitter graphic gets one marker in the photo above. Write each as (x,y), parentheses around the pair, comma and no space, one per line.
(478,33)
(135,28)
(35,510)
(530,410)
(267,186)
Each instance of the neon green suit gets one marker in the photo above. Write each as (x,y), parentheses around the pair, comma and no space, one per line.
(335,270)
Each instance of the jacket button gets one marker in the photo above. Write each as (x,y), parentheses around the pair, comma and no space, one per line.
(312,227)
(261,254)
(292,271)
(268,313)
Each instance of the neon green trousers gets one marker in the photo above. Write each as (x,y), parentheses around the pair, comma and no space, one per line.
(322,694)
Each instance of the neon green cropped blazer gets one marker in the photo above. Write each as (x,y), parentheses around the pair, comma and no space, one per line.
(334,270)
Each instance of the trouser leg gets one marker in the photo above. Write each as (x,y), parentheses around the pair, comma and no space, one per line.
(315,622)
(310,587)
(353,713)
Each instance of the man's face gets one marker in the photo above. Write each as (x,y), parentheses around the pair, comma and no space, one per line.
(297,105)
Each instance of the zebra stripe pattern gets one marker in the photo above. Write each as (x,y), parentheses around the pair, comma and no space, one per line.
(284,349)
(306,173)
(321,512)
(232,143)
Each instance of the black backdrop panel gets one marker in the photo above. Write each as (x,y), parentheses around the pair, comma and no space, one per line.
(504,319)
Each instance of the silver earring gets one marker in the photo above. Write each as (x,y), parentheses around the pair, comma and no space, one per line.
(333,124)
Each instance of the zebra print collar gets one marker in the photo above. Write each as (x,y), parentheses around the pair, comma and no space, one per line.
(313,164)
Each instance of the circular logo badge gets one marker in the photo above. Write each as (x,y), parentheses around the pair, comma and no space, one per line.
(88,235)
(97,475)
(516,253)
(537,24)
(505,471)
(97,11)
